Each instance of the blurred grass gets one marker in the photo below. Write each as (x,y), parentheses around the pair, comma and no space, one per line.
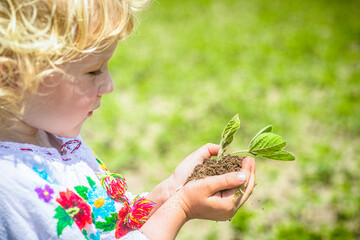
(191,65)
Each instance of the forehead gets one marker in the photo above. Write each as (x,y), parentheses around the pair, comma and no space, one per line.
(96,58)
(105,54)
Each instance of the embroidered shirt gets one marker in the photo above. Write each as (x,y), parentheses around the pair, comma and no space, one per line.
(46,194)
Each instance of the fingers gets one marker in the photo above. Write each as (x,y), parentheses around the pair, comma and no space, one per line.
(224,182)
(185,168)
(249,168)
(213,197)
(205,151)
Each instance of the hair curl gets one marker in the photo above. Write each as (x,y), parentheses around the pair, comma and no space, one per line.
(38,35)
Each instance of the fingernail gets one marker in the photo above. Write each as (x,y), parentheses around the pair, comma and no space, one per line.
(241,176)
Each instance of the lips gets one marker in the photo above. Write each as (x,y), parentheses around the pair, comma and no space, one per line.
(91,112)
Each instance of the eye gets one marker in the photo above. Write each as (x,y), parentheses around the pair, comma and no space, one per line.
(95,73)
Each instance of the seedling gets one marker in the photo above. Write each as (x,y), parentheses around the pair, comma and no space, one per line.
(265,143)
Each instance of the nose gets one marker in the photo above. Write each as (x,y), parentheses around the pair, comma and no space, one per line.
(106,86)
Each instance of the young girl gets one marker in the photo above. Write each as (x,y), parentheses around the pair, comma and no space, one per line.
(53,72)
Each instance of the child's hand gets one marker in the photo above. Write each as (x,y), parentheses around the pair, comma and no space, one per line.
(213,197)
(210,198)
(162,192)
(186,167)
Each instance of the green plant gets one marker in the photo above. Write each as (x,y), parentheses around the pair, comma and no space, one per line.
(265,143)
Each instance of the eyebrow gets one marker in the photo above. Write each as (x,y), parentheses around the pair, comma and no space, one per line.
(97,62)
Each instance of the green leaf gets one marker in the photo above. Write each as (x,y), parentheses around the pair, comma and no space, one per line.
(230,129)
(267,143)
(109,224)
(264,130)
(227,135)
(63,220)
(82,191)
(281,155)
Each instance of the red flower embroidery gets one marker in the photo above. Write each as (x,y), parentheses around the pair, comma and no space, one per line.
(121,229)
(76,207)
(115,186)
(134,217)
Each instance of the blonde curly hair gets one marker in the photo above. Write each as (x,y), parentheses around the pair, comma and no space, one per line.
(38,35)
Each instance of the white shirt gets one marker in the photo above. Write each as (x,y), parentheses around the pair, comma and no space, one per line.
(45,194)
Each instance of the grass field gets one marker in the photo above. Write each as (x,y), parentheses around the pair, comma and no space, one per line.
(191,65)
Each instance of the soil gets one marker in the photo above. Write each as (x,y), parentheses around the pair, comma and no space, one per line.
(210,167)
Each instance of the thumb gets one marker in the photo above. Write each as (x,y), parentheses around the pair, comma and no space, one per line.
(225,181)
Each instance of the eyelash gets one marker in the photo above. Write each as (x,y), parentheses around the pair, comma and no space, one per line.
(95,73)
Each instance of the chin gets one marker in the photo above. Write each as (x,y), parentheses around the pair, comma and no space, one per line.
(69,134)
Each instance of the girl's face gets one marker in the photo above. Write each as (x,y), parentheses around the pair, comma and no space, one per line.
(65,101)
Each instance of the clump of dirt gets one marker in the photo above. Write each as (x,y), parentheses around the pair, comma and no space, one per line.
(211,167)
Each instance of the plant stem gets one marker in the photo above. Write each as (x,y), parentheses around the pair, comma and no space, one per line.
(220,153)
(244,153)
(239,191)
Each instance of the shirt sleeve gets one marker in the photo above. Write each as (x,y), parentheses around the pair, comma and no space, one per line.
(134,235)
(41,199)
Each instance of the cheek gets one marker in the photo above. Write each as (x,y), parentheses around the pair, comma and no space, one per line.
(80,102)
(84,95)
(67,102)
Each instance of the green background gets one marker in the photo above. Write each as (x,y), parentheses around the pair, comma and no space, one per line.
(191,65)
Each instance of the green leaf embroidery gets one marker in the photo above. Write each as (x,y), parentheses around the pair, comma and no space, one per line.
(91,182)
(227,135)
(267,143)
(281,156)
(82,191)
(85,234)
(63,220)
(109,224)
(93,217)
(72,211)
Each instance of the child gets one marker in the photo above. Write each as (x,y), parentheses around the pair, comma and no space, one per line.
(53,72)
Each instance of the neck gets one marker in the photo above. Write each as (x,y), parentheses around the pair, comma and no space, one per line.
(23,133)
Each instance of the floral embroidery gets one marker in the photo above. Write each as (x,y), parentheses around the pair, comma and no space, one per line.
(95,237)
(109,224)
(133,217)
(26,149)
(121,229)
(63,220)
(92,235)
(102,165)
(100,202)
(76,207)
(71,145)
(102,206)
(68,148)
(45,193)
(43,174)
(139,212)
(115,186)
